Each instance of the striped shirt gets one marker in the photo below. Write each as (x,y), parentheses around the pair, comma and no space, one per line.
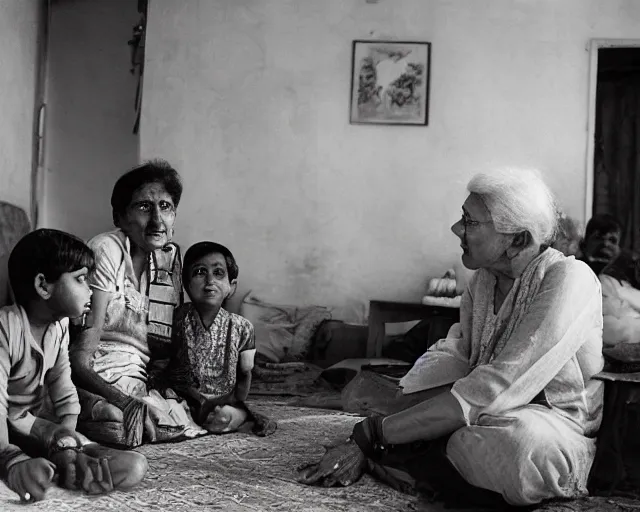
(28,370)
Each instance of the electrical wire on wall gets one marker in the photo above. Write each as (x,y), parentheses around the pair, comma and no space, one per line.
(137,58)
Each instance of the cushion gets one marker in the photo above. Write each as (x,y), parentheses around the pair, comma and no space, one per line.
(283,332)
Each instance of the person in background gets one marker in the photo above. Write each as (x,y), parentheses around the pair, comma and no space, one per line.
(619,273)
(601,242)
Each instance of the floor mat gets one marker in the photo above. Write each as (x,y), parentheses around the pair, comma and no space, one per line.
(239,473)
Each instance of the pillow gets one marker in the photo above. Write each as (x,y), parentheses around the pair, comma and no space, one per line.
(283,332)
(272,341)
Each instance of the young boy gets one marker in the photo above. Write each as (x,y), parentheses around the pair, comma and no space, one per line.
(214,349)
(48,275)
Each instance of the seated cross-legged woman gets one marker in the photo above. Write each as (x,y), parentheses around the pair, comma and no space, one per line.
(48,274)
(123,345)
(510,407)
(214,349)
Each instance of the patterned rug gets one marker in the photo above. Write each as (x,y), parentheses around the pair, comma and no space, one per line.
(239,473)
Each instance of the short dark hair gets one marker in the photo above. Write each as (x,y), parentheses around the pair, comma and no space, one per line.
(49,252)
(201,249)
(153,171)
(602,223)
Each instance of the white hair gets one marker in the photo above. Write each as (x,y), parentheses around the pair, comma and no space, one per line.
(518,200)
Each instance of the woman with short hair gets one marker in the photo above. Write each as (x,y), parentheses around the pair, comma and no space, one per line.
(137,286)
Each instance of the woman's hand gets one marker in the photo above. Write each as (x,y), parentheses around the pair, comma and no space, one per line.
(31,478)
(345,463)
(341,465)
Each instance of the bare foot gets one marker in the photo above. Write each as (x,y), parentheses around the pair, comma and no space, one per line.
(225,419)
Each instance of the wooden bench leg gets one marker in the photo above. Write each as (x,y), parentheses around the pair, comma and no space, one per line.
(376,332)
(375,339)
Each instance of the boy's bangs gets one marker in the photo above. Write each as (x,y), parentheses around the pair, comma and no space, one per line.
(86,259)
(76,256)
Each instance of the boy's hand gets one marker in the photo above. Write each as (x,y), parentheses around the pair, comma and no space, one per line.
(31,478)
(79,470)
(76,468)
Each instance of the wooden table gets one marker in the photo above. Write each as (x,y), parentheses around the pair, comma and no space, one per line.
(383,312)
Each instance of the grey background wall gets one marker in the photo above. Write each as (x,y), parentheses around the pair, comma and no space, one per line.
(90,112)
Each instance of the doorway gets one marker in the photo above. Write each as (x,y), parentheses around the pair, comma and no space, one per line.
(614,135)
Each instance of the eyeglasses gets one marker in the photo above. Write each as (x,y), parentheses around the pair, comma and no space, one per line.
(468,222)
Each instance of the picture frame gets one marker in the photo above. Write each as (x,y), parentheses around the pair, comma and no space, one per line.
(390,82)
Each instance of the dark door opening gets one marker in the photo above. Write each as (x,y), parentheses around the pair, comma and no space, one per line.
(616,156)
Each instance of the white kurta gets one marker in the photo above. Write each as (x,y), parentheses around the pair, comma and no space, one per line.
(526,452)
(621,311)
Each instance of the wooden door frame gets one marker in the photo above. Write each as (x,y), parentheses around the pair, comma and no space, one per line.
(593,47)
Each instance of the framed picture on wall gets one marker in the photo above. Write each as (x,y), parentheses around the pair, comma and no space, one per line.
(390,82)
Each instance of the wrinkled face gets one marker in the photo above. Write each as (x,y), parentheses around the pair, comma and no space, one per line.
(602,246)
(482,246)
(71,294)
(149,218)
(209,281)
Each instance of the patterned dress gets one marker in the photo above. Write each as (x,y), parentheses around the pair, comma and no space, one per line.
(207,359)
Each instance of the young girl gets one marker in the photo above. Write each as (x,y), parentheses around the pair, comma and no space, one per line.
(214,349)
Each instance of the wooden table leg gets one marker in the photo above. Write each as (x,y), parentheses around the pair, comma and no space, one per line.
(376,332)
(382,312)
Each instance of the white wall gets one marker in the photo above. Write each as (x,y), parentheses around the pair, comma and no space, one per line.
(250,101)
(18,68)
(90,102)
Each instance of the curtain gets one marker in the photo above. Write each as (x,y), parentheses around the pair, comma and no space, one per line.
(617,152)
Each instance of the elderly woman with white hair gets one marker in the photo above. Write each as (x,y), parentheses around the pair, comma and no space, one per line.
(511,408)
